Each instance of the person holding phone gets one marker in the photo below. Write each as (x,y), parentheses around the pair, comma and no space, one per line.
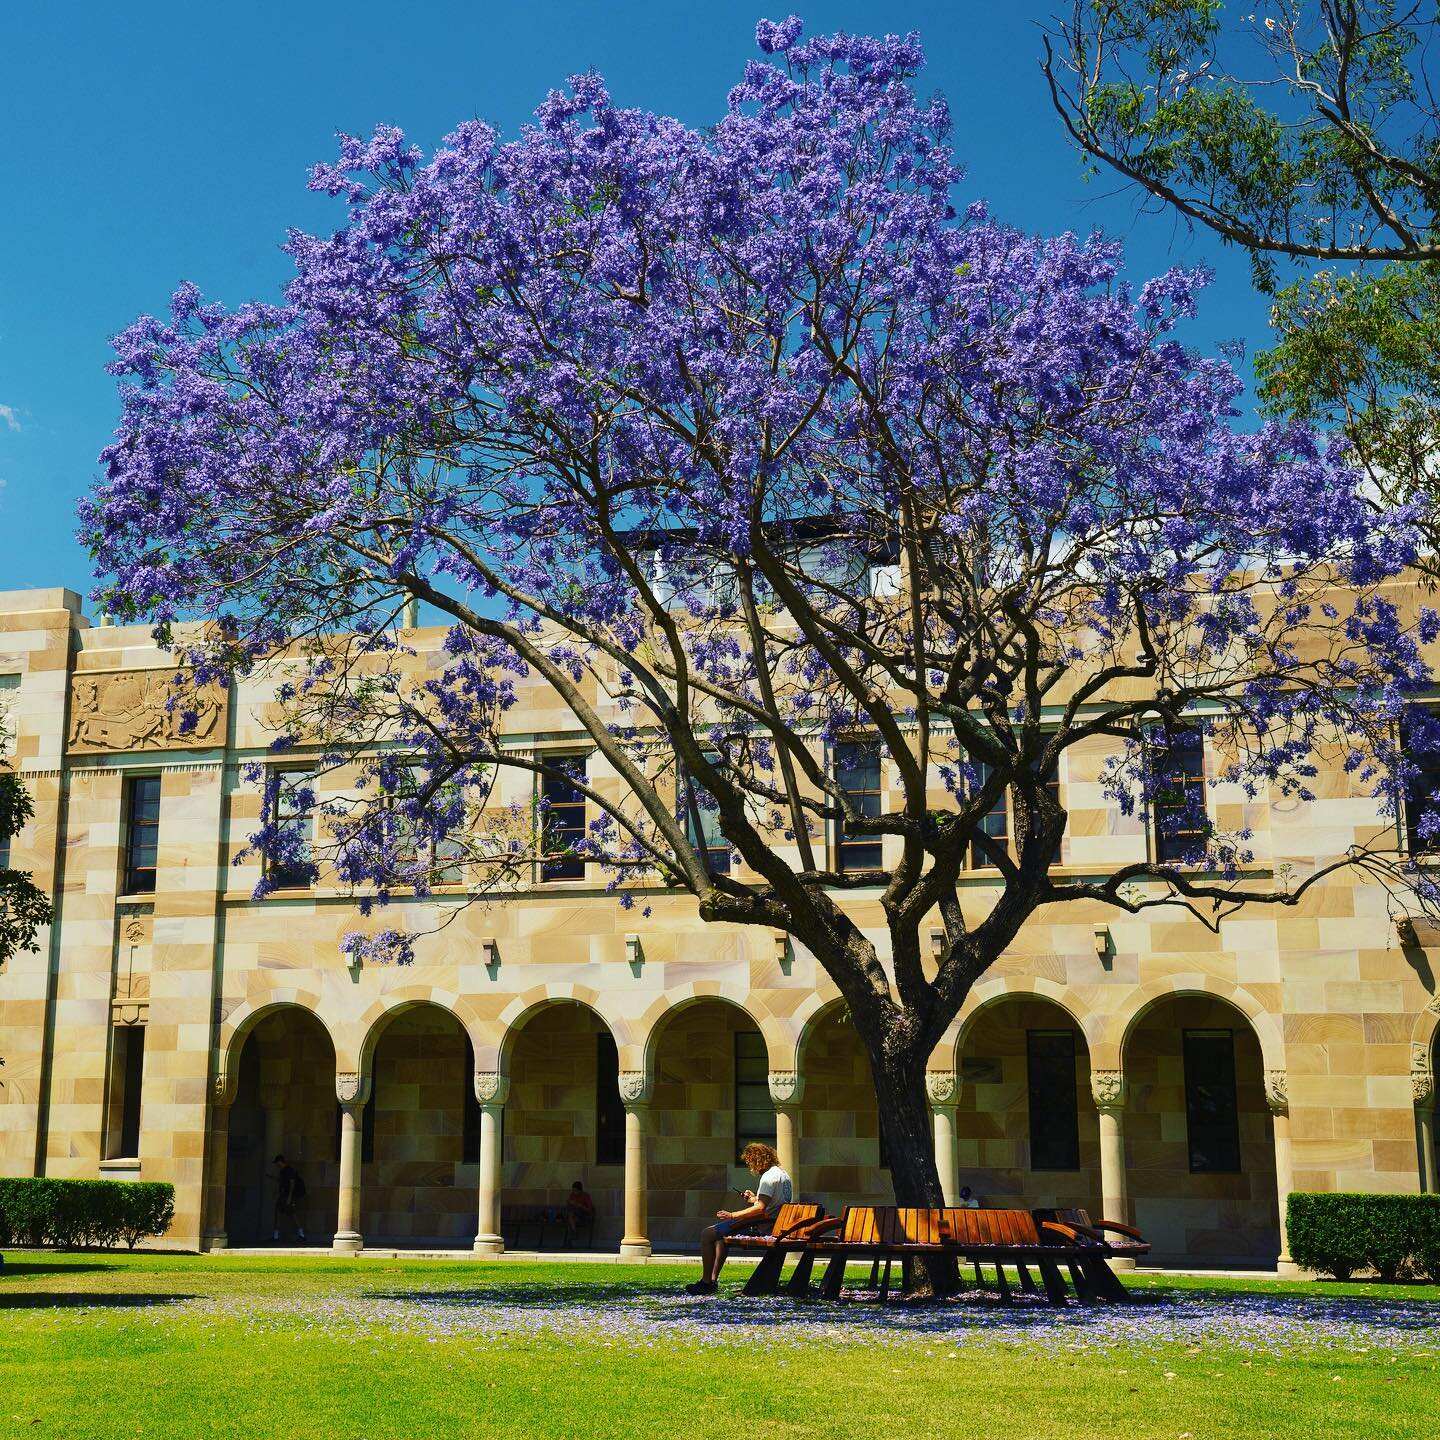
(761,1206)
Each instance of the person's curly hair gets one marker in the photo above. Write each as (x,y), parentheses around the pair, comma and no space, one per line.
(758,1157)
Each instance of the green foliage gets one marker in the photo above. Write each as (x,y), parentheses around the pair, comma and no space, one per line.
(1341,1234)
(23,908)
(72,1213)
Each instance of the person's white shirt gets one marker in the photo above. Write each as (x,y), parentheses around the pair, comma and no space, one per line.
(774,1189)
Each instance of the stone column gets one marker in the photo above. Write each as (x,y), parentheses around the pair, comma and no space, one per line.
(1108,1089)
(635,1092)
(217,1178)
(944,1092)
(352,1091)
(1278,1100)
(1422,1080)
(786,1087)
(492,1090)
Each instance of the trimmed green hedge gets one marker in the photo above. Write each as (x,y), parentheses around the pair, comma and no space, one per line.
(72,1213)
(1396,1236)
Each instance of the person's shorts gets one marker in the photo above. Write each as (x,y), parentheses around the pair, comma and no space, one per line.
(738,1227)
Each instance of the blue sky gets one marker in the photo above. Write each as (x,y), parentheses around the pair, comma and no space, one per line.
(148,144)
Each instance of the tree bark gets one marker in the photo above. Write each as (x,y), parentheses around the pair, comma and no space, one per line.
(898,1072)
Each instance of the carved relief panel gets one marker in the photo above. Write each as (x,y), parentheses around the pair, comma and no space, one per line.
(126,710)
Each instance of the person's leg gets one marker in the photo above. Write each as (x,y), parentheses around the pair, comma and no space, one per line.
(717,1261)
(279,1209)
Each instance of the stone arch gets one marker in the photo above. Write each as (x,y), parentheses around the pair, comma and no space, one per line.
(651,1025)
(1144,998)
(372,1022)
(808,1018)
(236,1027)
(498,1045)
(1425,1038)
(989,993)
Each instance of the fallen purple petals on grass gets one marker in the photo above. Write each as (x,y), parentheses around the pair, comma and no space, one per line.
(619,1315)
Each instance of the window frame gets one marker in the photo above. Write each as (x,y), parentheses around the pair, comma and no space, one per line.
(869,843)
(1004,809)
(130,869)
(1162,743)
(1040,1098)
(745,1133)
(280,877)
(719,858)
(575,867)
(1415,844)
(1193,1103)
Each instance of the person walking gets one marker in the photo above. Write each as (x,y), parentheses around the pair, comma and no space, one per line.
(289,1192)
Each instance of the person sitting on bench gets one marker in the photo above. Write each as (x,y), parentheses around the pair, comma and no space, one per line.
(579,1211)
(761,1205)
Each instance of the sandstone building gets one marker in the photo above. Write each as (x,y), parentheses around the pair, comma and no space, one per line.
(172,1027)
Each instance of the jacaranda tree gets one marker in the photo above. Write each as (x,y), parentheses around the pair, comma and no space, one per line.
(750,444)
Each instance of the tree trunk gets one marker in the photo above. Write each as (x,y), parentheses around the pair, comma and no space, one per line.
(909,1134)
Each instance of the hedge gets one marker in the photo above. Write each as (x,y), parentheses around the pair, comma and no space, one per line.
(72,1213)
(1396,1236)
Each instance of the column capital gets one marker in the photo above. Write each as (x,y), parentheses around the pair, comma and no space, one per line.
(1107,1088)
(786,1087)
(351,1087)
(1277,1095)
(635,1088)
(942,1086)
(491,1087)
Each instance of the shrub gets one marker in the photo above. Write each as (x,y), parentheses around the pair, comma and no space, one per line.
(1392,1235)
(72,1213)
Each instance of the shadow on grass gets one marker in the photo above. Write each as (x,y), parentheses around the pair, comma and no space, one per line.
(18,1269)
(86,1300)
(1241,1319)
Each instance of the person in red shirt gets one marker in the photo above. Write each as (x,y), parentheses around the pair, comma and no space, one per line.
(579,1209)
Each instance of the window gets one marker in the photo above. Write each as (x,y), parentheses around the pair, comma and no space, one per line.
(708,840)
(1178,764)
(127,1069)
(1212,1114)
(996,822)
(754,1113)
(436,861)
(1054,1106)
(1422,793)
(142,833)
(296,871)
(609,1110)
(562,819)
(857,773)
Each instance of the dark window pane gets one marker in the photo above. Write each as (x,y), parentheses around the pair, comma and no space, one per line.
(297,874)
(754,1112)
(1181,826)
(1422,793)
(708,839)
(995,822)
(131,1072)
(609,1110)
(1054,1106)
(562,819)
(857,772)
(1212,1114)
(142,833)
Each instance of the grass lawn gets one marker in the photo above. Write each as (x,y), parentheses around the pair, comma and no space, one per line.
(178,1346)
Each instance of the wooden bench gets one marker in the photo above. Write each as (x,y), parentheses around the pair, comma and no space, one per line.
(786,1235)
(1130,1241)
(1002,1238)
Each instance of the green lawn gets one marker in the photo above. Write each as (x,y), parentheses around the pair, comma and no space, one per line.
(181,1346)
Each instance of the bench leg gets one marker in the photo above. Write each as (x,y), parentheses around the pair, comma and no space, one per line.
(875,1274)
(799,1285)
(1103,1281)
(765,1277)
(1080,1281)
(885,1283)
(834,1277)
(1027,1282)
(1054,1282)
(1003,1283)
(979,1278)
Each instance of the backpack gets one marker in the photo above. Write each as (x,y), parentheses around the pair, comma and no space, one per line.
(297,1187)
